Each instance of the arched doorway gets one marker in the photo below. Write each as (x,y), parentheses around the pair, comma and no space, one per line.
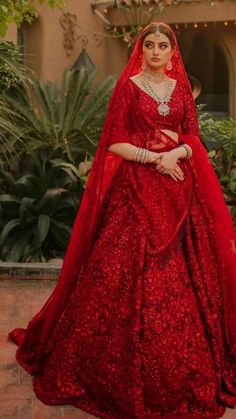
(205,60)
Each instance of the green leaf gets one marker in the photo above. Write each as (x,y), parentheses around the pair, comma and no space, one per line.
(25,207)
(42,230)
(50,201)
(18,249)
(11,225)
(9,198)
(61,233)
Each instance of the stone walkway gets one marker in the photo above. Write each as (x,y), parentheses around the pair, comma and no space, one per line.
(19,300)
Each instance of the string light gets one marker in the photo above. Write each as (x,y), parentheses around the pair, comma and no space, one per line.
(196,25)
(185,25)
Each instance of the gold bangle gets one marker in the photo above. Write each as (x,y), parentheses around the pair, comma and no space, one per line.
(187,148)
(136,154)
(141,155)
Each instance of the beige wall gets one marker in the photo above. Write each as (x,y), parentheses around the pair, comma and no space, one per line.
(11,34)
(44,41)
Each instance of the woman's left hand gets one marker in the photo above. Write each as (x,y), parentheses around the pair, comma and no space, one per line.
(168,160)
(168,163)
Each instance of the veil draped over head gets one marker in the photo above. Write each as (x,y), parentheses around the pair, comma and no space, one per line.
(37,340)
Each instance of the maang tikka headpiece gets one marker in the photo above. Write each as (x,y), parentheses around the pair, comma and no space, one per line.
(157,33)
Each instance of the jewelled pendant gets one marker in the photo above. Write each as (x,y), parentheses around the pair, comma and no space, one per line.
(163,109)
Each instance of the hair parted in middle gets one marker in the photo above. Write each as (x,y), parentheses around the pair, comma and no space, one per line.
(158,27)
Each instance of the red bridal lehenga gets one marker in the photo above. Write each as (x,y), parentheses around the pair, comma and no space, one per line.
(142,322)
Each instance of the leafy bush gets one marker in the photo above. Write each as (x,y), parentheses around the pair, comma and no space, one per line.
(70,117)
(8,74)
(38,205)
(12,11)
(11,72)
(219,136)
(41,189)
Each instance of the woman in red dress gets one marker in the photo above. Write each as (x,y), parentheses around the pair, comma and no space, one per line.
(142,322)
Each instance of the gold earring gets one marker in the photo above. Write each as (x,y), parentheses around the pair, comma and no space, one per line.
(169,65)
(144,65)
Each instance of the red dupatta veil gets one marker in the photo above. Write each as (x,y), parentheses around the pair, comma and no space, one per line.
(36,341)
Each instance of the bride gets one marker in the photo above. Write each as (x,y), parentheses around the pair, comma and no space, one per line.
(142,321)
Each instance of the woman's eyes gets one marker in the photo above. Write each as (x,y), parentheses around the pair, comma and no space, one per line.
(161,46)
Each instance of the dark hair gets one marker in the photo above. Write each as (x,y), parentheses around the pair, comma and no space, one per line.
(158,26)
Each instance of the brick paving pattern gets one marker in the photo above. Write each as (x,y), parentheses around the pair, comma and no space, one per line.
(19,300)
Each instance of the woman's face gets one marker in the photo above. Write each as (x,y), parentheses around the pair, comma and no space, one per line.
(157,51)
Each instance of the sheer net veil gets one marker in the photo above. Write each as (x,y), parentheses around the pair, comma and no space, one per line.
(37,340)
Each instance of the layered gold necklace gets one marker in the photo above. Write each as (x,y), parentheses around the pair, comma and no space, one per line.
(148,76)
(152,76)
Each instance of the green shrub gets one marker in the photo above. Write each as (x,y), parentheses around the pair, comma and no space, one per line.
(219,136)
(38,204)
(70,117)
(8,74)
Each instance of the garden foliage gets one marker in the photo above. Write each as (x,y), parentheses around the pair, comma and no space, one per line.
(18,11)
(219,136)
(41,184)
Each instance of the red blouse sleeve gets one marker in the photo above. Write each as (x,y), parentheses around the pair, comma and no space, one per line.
(119,130)
(189,124)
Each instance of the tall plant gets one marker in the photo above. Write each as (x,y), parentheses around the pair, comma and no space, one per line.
(69,117)
(11,73)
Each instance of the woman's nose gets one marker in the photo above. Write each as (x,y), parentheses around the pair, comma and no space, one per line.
(156,50)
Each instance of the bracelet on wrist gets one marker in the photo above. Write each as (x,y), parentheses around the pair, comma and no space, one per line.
(141,155)
(188,151)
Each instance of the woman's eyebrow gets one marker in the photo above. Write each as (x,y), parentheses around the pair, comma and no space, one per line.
(160,43)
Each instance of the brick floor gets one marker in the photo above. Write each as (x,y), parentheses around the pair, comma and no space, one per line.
(19,300)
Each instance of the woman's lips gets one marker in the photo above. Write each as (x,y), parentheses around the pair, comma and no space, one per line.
(156,59)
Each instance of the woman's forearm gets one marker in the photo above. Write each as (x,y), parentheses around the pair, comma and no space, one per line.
(127,151)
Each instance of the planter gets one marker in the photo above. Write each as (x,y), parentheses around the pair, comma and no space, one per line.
(31,271)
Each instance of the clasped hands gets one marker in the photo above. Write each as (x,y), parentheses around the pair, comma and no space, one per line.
(167,163)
